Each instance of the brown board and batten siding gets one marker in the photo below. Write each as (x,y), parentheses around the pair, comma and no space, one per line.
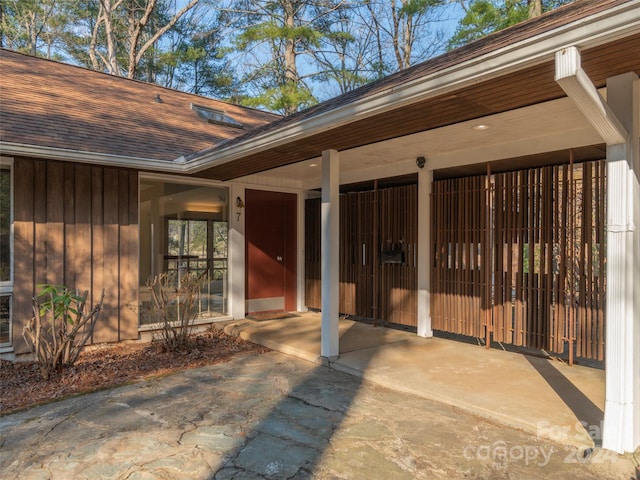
(77,225)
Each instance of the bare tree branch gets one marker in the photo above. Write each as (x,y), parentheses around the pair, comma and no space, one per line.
(141,51)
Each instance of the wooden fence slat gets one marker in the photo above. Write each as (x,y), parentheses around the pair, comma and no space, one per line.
(509,241)
(549,241)
(587,227)
(497,263)
(519,327)
(562,280)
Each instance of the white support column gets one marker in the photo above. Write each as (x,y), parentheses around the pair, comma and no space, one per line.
(621,431)
(425,180)
(236,253)
(330,269)
(300,304)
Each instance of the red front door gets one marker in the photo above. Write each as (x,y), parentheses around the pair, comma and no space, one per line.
(270,232)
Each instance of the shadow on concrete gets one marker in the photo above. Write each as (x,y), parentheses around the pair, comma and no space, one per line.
(292,438)
(588,413)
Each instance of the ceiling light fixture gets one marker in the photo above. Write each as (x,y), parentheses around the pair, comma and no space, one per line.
(481,127)
(313,165)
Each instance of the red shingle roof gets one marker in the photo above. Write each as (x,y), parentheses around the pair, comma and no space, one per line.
(51,104)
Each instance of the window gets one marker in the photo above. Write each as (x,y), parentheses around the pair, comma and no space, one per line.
(6,251)
(218,117)
(183,228)
(198,246)
(187,238)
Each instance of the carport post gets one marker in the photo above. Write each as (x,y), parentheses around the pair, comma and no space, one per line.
(330,273)
(621,431)
(425,180)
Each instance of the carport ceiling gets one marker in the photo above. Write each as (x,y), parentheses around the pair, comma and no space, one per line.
(529,86)
(536,135)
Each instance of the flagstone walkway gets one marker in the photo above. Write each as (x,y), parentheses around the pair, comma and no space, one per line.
(276,416)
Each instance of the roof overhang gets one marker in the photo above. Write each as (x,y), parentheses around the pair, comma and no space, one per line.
(281,146)
(467,86)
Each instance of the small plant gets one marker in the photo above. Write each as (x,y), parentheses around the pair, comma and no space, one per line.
(174,306)
(60,327)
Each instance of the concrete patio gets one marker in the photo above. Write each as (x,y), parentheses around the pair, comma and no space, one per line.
(545,397)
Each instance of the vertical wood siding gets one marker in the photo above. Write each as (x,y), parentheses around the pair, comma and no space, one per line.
(531,267)
(398,224)
(357,255)
(459,220)
(371,223)
(312,260)
(77,225)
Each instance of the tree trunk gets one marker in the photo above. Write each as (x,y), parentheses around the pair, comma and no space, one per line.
(290,66)
(535,8)
(378,36)
(1,32)
(112,59)
(31,30)
(135,31)
(94,40)
(408,41)
(136,53)
(395,39)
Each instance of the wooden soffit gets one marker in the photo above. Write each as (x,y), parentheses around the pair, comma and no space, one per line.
(519,89)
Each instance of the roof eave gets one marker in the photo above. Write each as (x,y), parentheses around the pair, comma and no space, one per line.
(93,158)
(594,30)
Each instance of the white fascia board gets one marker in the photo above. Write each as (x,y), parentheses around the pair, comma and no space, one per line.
(597,29)
(94,158)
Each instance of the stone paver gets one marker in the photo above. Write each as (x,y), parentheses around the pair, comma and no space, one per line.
(274,416)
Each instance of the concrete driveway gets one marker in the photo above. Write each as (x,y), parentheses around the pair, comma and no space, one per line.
(281,417)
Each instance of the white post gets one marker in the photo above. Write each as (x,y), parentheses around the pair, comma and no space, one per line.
(301,249)
(425,179)
(236,260)
(621,431)
(330,270)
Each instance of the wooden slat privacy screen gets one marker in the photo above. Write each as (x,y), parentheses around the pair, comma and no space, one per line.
(522,255)
(398,230)
(378,235)
(77,225)
(458,285)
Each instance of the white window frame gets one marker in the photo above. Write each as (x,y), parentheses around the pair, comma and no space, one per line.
(199,182)
(6,287)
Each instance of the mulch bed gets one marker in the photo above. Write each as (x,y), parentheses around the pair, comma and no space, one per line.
(110,365)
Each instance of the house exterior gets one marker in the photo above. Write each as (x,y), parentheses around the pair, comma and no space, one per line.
(491,192)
